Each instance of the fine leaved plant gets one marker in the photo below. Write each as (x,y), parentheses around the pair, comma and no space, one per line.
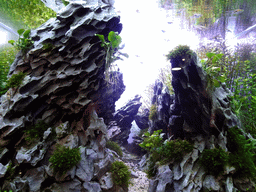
(115,147)
(24,42)
(7,56)
(153,112)
(15,80)
(112,48)
(163,151)
(36,131)
(120,173)
(64,158)
(214,160)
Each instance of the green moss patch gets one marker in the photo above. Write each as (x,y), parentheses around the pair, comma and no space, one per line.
(64,158)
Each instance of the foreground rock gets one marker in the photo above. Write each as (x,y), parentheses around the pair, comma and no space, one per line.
(119,129)
(64,88)
(201,115)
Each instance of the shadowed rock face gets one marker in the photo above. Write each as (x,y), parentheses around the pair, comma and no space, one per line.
(201,115)
(64,86)
(202,110)
(63,79)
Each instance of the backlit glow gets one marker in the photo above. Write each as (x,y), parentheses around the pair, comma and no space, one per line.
(3,37)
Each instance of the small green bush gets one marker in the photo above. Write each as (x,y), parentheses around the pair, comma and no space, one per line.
(24,43)
(179,52)
(242,155)
(36,131)
(15,80)
(7,56)
(65,2)
(214,160)
(153,112)
(115,147)
(64,158)
(163,151)
(120,173)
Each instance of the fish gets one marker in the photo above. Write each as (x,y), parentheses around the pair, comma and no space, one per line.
(237,11)
(196,15)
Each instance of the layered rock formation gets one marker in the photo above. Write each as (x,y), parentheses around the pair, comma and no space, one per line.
(201,115)
(119,128)
(63,87)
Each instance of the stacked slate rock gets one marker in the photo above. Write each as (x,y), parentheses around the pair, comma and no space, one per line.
(63,87)
(119,127)
(201,115)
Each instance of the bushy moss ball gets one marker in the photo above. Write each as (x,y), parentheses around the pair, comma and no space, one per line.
(120,173)
(64,158)
(115,147)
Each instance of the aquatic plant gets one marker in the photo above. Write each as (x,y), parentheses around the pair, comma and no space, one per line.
(7,56)
(36,131)
(153,112)
(212,68)
(242,155)
(112,50)
(214,160)
(115,147)
(65,2)
(24,43)
(64,158)
(120,173)
(179,52)
(163,151)
(26,13)
(15,80)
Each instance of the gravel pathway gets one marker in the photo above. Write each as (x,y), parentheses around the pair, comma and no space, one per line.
(139,181)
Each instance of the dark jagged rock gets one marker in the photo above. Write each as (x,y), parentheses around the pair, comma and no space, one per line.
(109,94)
(123,119)
(126,114)
(141,119)
(199,114)
(64,87)
(162,99)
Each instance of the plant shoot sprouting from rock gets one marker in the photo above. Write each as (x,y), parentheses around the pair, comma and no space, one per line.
(64,158)
(24,43)
(112,50)
(180,56)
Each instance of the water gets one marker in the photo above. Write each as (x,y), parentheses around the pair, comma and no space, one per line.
(151,29)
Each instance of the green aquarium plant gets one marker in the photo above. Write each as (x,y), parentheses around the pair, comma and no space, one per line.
(163,151)
(179,52)
(36,131)
(65,2)
(26,13)
(64,158)
(243,151)
(215,75)
(115,147)
(7,56)
(153,112)
(214,160)
(24,43)
(15,80)
(112,48)
(120,173)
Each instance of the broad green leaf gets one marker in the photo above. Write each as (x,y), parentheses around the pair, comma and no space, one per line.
(221,79)
(111,36)
(216,83)
(20,31)
(11,42)
(220,55)
(124,54)
(210,55)
(101,37)
(26,33)
(116,42)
